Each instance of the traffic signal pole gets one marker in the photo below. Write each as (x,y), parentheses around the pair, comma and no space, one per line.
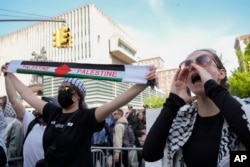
(61,37)
(48,20)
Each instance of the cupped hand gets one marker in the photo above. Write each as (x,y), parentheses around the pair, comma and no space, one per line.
(179,85)
(203,73)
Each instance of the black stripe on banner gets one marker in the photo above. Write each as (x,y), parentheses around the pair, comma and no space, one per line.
(113,67)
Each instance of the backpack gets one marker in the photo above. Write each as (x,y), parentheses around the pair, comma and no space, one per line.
(39,119)
(128,136)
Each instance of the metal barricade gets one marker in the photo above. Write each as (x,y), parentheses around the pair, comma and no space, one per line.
(17,161)
(103,156)
(107,155)
(98,157)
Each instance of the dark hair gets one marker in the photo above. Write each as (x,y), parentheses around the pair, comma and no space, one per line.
(218,63)
(137,114)
(4,98)
(82,104)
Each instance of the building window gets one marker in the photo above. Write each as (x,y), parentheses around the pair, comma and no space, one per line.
(125,48)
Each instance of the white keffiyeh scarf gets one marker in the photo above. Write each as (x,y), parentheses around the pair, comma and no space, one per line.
(181,131)
(8,110)
(3,123)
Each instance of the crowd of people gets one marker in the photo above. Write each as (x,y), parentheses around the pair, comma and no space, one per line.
(70,119)
(31,126)
(200,123)
(113,135)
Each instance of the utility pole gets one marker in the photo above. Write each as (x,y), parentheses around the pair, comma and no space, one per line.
(37,79)
(48,20)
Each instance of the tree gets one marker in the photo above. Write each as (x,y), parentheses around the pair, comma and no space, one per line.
(239,81)
(154,101)
(240,84)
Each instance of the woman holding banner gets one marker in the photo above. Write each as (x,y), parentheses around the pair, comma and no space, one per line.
(67,138)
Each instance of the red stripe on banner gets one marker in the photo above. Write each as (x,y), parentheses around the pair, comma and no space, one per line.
(62,70)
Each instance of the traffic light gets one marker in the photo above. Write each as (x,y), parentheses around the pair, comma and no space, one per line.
(56,39)
(64,36)
(70,43)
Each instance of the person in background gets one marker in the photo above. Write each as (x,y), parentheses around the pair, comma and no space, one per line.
(145,108)
(140,135)
(32,124)
(130,115)
(111,124)
(120,156)
(101,139)
(7,107)
(72,122)
(3,153)
(199,130)
(12,134)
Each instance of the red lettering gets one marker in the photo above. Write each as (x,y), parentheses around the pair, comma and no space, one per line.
(97,72)
(39,68)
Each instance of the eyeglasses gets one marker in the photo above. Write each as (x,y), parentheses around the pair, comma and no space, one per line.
(202,60)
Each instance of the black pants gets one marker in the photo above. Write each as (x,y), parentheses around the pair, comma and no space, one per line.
(140,159)
(123,159)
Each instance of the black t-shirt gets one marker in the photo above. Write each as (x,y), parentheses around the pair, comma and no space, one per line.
(73,147)
(230,108)
(206,135)
(3,158)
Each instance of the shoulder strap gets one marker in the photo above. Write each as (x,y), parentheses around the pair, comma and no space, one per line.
(63,129)
(52,147)
(31,125)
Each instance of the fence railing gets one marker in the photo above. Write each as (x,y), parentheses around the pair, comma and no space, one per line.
(103,156)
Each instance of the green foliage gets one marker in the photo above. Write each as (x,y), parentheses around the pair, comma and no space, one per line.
(239,81)
(240,84)
(247,50)
(242,62)
(244,58)
(154,101)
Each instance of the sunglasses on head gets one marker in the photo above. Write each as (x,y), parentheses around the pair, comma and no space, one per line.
(66,88)
(202,60)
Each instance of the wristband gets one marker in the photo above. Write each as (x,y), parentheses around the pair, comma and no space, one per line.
(151,83)
(5,74)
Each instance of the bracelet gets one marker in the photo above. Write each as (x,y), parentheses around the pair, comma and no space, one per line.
(5,74)
(151,83)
